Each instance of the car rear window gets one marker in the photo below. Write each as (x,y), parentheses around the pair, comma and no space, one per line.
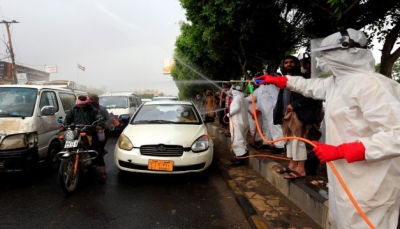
(167,113)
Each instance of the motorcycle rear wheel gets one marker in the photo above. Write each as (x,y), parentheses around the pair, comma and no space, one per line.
(68,181)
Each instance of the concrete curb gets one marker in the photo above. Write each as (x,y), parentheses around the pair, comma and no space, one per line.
(251,214)
(311,200)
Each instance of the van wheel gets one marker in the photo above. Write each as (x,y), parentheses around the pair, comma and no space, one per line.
(52,159)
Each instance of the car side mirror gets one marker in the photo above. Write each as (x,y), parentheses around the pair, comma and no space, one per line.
(209,119)
(47,111)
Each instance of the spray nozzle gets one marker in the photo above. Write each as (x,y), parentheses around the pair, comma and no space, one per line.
(257,81)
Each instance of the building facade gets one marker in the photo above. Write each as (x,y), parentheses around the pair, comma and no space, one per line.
(22,71)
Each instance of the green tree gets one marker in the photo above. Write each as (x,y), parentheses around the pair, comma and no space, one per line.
(226,40)
(320,18)
(395,70)
(146,96)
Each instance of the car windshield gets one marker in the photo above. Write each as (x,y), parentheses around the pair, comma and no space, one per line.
(114,101)
(17,102)
(167,113)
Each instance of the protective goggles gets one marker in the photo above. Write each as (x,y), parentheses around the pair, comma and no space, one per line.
(345,42)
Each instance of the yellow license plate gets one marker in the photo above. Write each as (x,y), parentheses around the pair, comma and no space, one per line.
(163,165)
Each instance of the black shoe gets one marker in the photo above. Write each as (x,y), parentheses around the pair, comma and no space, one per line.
(268,147)
(238,158)
(278,150)
(239,162)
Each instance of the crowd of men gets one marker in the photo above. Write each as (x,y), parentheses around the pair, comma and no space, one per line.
(279,113)
(362,126)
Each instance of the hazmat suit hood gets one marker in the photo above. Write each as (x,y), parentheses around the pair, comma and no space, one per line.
(355,60)
(236,91)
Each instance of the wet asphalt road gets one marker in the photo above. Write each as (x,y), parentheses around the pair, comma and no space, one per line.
(35,200)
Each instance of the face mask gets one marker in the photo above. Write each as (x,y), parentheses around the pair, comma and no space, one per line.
(323,66)
(198,97)
(303,70)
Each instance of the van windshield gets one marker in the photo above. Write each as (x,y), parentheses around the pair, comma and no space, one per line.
(17,102)
(111,102)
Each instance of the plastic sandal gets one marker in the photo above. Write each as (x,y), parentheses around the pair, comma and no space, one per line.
(283,170)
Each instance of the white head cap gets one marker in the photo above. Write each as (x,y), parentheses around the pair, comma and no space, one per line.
(237,88)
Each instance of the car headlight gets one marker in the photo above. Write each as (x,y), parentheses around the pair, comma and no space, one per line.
(124,142)
(14,142)
(69,135)
(32,138)
(201,144)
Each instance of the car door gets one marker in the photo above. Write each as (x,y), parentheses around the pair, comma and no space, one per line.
(132,106)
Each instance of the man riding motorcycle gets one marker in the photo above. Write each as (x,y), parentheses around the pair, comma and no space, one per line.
(83,113)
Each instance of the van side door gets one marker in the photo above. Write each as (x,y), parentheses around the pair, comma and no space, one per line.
(47,126)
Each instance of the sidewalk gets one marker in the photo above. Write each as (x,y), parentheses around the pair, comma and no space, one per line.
(269,200)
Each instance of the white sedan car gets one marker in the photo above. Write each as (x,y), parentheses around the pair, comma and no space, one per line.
(165,137)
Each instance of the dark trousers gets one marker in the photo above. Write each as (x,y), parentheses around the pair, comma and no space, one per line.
(107,135)
(96,145)
(222,117)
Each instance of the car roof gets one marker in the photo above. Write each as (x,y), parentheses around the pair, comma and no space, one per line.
(115,95)
(120,93)
(172,102)
(51,87)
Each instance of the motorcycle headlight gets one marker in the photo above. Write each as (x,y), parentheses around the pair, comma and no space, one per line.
(14,142)
(201,144)
(69,135)
(124,142)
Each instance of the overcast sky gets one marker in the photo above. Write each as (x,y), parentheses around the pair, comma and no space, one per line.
(121,43)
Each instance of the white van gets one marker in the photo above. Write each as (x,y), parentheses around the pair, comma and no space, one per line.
(29,123)
(121,104)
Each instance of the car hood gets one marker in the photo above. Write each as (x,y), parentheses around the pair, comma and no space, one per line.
(14,125)
(168,134)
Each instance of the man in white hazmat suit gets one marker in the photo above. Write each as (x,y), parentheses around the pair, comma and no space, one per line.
(238,125)
(267,99)
(252,116)
(362,130)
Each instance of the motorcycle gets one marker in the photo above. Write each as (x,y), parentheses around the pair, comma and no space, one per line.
(76,156)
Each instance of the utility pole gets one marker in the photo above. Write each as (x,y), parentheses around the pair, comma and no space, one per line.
(13,66)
